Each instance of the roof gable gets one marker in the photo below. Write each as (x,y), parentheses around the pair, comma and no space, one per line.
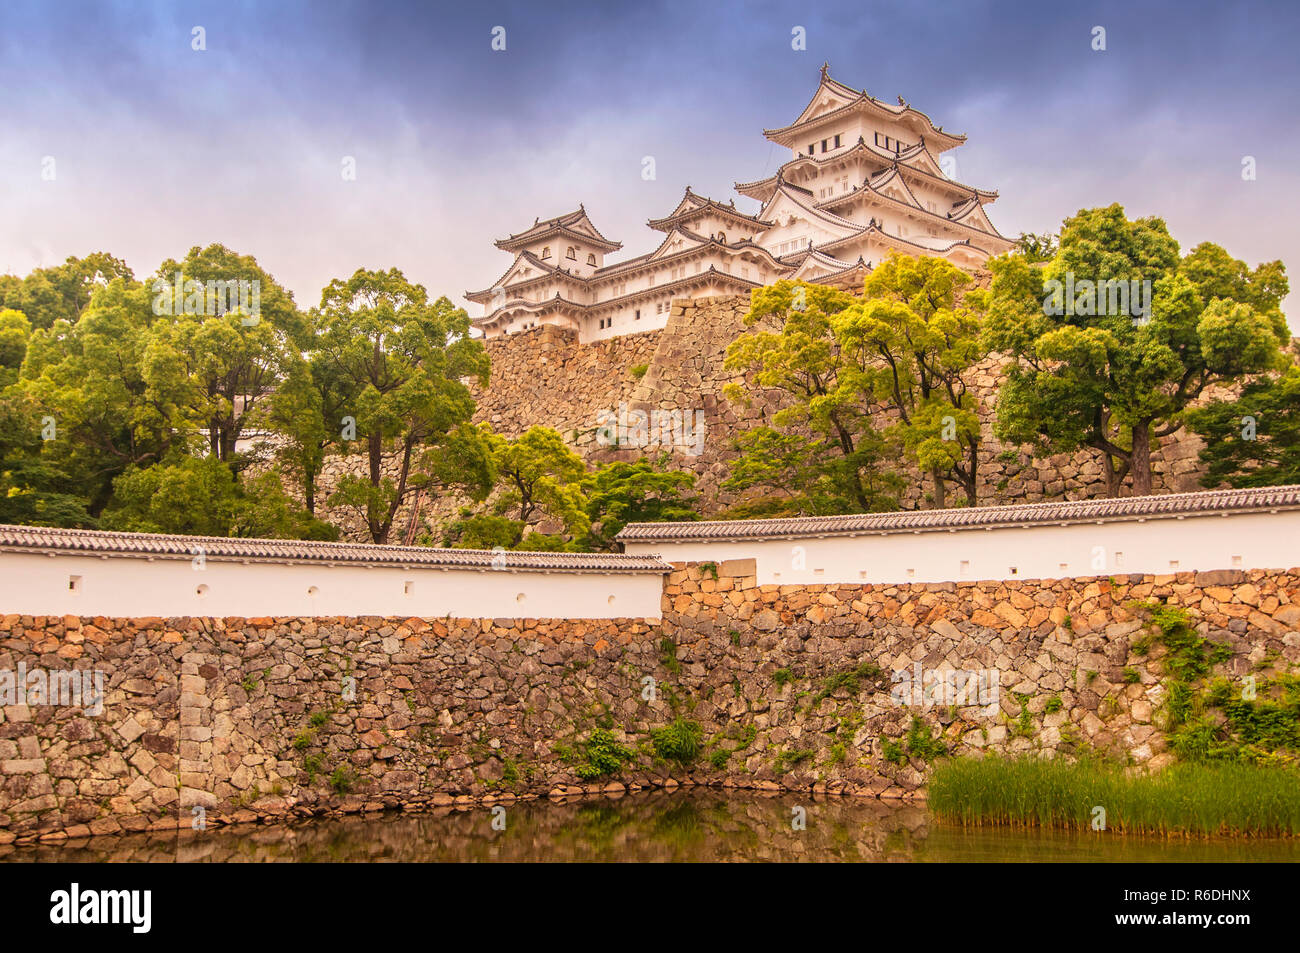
(576,223)
(676,241)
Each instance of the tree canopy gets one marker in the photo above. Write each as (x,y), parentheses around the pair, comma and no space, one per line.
(1111,341)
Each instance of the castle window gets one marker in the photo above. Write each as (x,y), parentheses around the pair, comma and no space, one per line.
(638,314)
(591,260)
(546,252)
(571,254)
(812,147)
(837,142)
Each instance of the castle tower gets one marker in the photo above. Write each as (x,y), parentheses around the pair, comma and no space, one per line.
(864,178)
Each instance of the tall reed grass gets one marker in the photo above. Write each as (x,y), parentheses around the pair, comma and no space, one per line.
(1183,800)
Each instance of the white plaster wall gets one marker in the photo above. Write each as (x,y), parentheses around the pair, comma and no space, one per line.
(34,584)
(1246,541)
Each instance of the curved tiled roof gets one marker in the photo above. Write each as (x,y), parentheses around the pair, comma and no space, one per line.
(562,223)
(705,204)
(852,99)
(549,272)
(44,539)
(1171,505)
(897,241)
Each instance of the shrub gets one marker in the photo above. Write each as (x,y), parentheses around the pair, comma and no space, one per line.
(343,780)
(679,741)
(602,755)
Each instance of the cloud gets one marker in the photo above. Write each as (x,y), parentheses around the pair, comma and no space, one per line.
(160,147)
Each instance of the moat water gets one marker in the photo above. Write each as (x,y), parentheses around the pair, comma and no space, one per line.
(697,825)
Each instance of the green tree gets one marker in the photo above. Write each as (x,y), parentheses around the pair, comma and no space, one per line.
(82,387)
(1036,248)
(192,496)
(641,491)
(215,350)
(32,492)
(61,292)
(15,329)
(821,452)
(400,361)
(1115,366)
(305,412)
(911,344)
(201,496)
(534,476)
(1253,440)
(264,510)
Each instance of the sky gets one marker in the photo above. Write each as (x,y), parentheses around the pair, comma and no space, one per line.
(158,146)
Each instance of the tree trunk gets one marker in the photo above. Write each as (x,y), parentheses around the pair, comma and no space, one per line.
(376,448)
(378,530)
(940,491)
(1108,467)
(971,477)
(1140,461)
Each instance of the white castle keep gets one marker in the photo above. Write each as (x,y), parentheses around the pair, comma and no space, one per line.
(864,179)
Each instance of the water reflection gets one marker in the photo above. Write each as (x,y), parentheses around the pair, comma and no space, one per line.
(698,825)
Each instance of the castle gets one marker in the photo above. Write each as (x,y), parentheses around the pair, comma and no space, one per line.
(864,179)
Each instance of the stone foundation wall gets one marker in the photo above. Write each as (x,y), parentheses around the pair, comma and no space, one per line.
(789,688)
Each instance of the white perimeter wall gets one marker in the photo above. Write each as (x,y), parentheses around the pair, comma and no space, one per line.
(33,584)
(1246,541)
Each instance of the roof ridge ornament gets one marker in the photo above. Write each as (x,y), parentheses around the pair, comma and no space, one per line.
(826,67)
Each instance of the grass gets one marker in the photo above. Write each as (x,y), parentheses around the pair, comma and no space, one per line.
(668,655)
(849,679)
(679,741)
(1197,800)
